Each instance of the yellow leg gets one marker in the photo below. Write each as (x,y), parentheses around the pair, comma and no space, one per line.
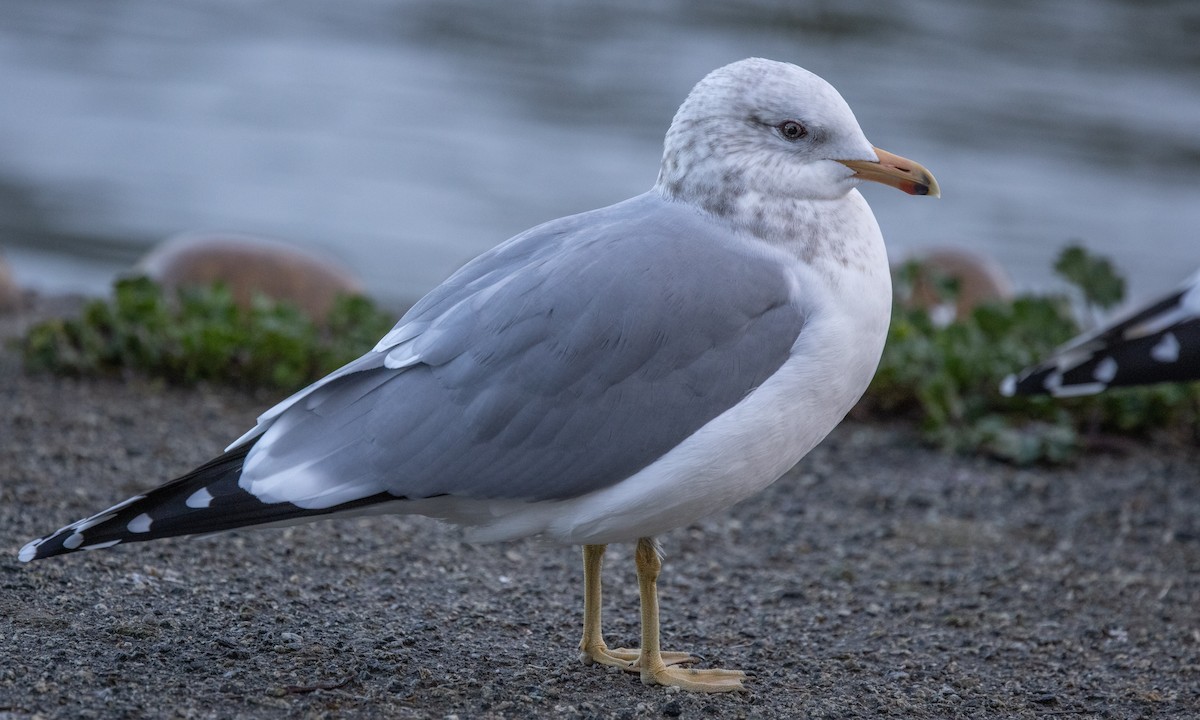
(592,649)
(651,663)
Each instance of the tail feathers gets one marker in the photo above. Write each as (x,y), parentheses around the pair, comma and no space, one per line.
(206,500)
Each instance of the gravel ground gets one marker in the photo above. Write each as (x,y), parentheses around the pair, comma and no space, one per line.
(878,579)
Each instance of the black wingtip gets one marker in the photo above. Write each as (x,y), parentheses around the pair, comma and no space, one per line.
(206,500)
(134,519)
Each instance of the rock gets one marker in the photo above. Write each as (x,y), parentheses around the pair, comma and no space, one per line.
(10,293)
(251,265)
(979,277)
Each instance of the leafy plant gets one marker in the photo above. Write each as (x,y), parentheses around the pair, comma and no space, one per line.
(203,335)
(1095,277)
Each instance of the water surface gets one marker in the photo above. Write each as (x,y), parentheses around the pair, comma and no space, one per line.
(406,137)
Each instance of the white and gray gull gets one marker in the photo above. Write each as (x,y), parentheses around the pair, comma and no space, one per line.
(603,377)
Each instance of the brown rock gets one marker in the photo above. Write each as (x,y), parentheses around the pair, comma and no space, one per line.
(980,280)
(251,265)
(10,293)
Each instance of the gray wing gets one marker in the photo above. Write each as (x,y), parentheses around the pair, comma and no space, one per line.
(560,363)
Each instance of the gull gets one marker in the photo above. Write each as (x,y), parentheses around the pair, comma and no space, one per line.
(1158,342)
(603,377)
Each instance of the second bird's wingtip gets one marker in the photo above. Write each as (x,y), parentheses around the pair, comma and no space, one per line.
(29,552)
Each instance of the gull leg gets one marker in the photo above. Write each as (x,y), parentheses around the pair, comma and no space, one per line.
(592,648)
(651,663)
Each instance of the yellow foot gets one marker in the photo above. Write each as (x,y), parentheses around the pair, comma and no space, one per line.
(715,680)
(627,659)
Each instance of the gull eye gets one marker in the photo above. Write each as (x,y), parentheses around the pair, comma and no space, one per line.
(792,130)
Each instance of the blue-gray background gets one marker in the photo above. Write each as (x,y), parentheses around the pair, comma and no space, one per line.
(406,137)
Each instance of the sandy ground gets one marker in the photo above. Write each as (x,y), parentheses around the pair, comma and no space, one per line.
(878,579)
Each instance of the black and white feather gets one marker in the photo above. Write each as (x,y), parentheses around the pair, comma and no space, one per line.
(206,500)
(1159,342)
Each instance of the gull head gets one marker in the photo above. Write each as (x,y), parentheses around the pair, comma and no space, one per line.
(760,129)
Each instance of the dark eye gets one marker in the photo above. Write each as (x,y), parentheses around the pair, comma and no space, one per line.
(792,130)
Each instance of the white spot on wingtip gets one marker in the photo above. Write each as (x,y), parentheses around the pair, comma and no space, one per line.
(29,552)
(1080,389)
(1167,349)
(93,521)
(1105,370)
(73,541)
(1008,386)
(105,516)
(100,545)
(140,524)
(202,498)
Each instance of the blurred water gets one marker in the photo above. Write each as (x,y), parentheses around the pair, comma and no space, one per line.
(406,137)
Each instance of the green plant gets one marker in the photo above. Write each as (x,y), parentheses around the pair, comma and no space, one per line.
(203,335)
(1095,277)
